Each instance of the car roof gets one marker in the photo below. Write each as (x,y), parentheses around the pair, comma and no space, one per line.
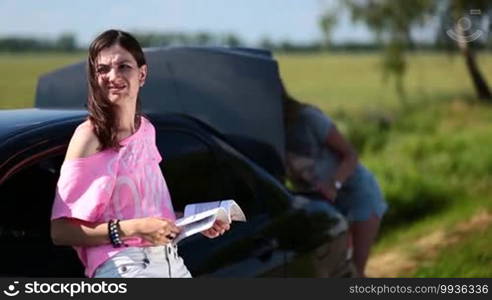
(236,91)
(14,121)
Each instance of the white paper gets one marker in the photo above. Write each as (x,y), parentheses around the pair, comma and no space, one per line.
(202,216)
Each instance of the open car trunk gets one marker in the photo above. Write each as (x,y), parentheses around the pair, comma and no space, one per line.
(234,90)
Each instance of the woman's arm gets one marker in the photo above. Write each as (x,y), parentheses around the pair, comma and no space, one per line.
(346,152)
(83,143)
(348,162)
(75,232)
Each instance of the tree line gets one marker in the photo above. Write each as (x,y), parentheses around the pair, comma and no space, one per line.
(67,42)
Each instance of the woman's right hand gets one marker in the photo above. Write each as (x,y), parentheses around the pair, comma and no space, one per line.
(157,231)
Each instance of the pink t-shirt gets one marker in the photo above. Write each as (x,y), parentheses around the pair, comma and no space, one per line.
(110,184)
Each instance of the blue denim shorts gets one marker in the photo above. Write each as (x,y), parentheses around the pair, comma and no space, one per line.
(358,202)
(144,262)
(363,200)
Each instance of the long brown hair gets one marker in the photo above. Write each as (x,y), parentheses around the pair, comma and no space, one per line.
(102,112)
(291,106)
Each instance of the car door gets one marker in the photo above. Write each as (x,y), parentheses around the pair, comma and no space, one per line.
(26,197)
(197,169)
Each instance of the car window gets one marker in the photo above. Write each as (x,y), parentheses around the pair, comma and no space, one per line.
(25,209)
(196,170)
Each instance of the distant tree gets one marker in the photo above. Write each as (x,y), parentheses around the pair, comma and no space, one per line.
(327,22)
(287,46)
(267,43)
(203,39)
(184,39)
(232,40)
(393,20)
(66,42)
(468,15)
(153,39)
(18,44)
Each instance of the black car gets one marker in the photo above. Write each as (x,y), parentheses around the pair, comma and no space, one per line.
(218,119)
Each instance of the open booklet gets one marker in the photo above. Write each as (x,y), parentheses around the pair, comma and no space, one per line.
(202,216)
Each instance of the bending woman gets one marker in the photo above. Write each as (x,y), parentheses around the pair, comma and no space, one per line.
(112,203)
(321,163)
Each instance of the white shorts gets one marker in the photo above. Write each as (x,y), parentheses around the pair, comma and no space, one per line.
(144,262)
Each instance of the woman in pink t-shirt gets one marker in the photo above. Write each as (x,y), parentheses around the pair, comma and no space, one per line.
(112,203)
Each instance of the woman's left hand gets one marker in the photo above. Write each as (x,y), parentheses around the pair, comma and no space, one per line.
(328,190)
(216,230)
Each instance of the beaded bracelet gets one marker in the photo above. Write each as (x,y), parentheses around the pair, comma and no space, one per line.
(114,233)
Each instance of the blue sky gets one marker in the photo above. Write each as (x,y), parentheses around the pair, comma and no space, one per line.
(295,20)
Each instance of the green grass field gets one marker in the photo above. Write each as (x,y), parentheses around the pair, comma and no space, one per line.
(473,250)
(355,82)
(20,74)
(432,156)
(334,82)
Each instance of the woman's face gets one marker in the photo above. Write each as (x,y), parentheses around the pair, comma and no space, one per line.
(118,74)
